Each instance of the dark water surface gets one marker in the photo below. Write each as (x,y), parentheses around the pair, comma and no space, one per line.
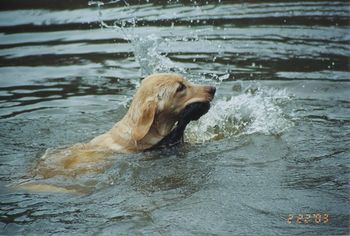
(276,143)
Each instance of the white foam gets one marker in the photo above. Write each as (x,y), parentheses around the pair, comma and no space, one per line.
(257,111)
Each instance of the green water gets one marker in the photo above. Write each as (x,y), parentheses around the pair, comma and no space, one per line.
(274,145)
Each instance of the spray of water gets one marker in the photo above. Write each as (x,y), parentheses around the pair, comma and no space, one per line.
(150,58)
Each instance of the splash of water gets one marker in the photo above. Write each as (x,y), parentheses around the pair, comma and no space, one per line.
(149,56)
(146,48)
(150,51)
(253,111)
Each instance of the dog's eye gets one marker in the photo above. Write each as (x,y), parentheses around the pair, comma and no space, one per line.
(181,87)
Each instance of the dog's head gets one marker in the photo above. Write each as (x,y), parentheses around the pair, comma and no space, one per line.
(162,99)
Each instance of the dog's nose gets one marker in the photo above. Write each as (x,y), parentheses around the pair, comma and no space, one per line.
(212,90)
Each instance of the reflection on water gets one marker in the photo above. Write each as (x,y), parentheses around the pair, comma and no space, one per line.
(275,142)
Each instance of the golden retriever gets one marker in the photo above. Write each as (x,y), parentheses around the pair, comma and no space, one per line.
(160,110)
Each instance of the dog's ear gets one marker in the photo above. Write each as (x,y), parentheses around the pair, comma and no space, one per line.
(143,119)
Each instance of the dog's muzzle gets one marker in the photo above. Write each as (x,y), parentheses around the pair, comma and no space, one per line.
(195,110)
(191,112)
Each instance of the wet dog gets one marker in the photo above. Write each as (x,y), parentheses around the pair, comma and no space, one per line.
(161,109)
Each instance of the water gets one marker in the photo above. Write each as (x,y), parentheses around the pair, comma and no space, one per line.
(274,145)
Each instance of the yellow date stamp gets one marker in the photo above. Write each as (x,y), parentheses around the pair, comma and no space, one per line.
(310,218)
